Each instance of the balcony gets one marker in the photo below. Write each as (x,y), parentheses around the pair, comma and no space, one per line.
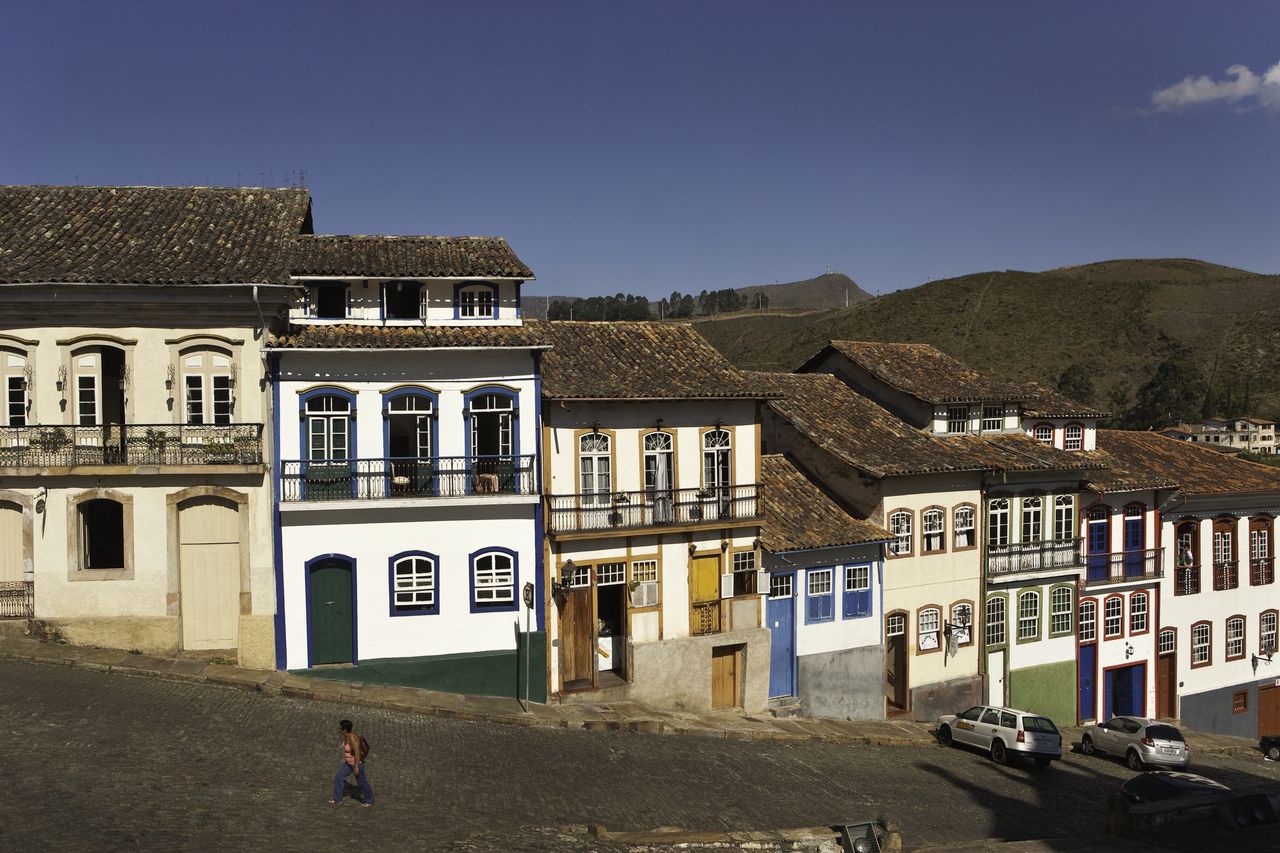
(704,618)
(406,478)
(1226,575)
(631,510)
(1022,557)
(130,444)
(1262,571)
(1124,566)
(17,600)
(1186,579)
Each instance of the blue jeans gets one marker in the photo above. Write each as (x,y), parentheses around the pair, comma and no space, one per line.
(362,779)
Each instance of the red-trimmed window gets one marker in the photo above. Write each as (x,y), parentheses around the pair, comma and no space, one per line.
(1113,617)
(1235,637)
(1073,437)
(1138,613)
(1201,644)
(1088,620)
(1044,433)
(1267,620)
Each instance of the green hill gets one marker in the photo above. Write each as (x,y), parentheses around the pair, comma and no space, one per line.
(829,290)
(1117,319)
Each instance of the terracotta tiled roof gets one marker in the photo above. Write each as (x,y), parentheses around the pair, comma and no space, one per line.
(853,428)
(352,336)
(149,235)
(1148,460)
(637,361)
(924,372)
(799,515)
(1041,402)
(857,430)
(407,257)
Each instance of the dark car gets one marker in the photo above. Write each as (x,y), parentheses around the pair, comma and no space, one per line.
(1271,747)
(1167,784)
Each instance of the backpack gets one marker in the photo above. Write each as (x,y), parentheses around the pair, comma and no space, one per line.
(364,747)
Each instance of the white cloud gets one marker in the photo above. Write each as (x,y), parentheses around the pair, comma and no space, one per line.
(1241,88)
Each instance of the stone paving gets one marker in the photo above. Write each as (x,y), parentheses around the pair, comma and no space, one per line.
(100,760)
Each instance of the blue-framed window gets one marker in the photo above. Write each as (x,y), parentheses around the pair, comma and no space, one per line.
(475,300)
(327,439)
(820,597)
(494,572)
(857,591)
(415,583)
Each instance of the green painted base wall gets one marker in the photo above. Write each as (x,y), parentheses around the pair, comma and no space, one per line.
(479,674)
(1049,690)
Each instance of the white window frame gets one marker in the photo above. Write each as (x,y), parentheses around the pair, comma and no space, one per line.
(595,468)
(957,420)
(929,625)
(493,584)
(1110,618)
(477,302)
(1167,641)
(963,525)
(1032,519)
(1087,629)
(993,417)
(1267,631)
(1201,644)
(1073,437)
(933,527)
(1064,517)
(996,631)
(1061,610)
(1138,606)
(1235,632)
(1028,616)
(13,369)
(1044,433)
(414,590)
(900,528)
(998,521)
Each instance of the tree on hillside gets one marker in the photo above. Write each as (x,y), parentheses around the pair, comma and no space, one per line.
(1076,382)
(1175,393)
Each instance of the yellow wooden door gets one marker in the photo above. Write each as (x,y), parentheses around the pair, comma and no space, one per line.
(11,568)
(704,595)
(726,672)
(209,533)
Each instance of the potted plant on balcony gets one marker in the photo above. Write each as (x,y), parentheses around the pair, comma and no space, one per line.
(51,439)
(619,500)
(695,511)
(219,450)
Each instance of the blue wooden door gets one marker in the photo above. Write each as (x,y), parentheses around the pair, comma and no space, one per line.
(1088,674)
(1098,545)
(780,612)
(1127,691)
(1133,547)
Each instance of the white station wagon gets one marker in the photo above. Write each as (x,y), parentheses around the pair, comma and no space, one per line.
(1003,732)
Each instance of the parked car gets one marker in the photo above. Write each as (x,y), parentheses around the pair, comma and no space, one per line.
(1139,741)
(1271,747)
(1156,785)
(1003,732)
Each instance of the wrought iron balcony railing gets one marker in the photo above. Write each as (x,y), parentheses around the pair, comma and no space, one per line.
(131,444)
(1186,579)
(1226,575)
(1033,556)
(400,477)
(704,618)
(1102,569)
(658,508)
(1262,570)
(17,599)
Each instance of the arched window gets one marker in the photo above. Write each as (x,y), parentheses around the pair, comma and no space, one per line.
(996,621)
(1032,519)
(595,468)
(659,462)
(1167,642)
(930,629)
(998,521)
(1028,616)
(1044,433)
(1098,542)
(1134,540)
(963,527)
(100,380)
(208,383)
(900,529)
(1088,631)
(1235,637)
(1113,617)
(1064,517)
(475,301)
(410,417)
(1201,644)
(1226,573)
(492,424)
(1061,610)
(414,584)
(1073,437)
(328,425)
(716,447)
(1267,632)
(1187,573)
(1138,613)
(13,376)
(933,530)
(493,580)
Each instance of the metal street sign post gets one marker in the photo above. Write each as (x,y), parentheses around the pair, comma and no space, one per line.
(528,614)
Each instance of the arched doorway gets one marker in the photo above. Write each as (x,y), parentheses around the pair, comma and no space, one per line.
(209,561)
(331,610)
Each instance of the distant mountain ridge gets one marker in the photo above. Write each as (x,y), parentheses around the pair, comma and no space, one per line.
(820,293)
(1119,320)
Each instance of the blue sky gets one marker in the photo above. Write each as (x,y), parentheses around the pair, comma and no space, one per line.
(647,147)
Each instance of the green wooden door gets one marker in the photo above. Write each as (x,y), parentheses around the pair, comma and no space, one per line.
(330,609)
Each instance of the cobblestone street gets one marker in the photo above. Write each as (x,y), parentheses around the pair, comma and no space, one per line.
(102,761)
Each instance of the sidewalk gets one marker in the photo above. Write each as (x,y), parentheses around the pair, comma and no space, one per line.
(610,716)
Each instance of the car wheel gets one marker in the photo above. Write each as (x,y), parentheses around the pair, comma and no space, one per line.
(998,755)
(1086,745)
(1042,761)
(944,736)
(1273,752)
(1134,760)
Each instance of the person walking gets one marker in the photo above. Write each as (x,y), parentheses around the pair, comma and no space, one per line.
(354,751)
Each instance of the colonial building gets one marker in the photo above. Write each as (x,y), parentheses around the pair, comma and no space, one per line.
(409,517)
(651,450)
(1217,612)
(135,505)
(1251,435)
(825,574)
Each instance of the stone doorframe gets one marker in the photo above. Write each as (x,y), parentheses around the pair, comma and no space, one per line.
(173,592)
(27,504)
